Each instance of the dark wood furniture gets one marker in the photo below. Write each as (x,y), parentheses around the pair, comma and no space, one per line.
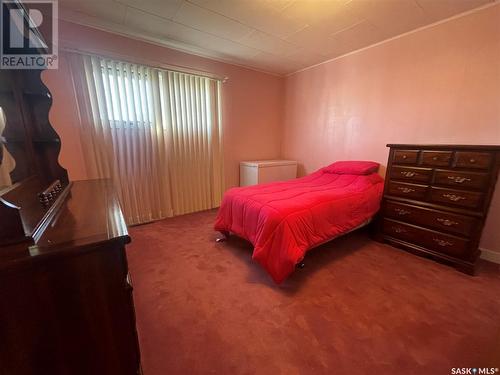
(66,303)
(436,199)
(66,300)
(28,135)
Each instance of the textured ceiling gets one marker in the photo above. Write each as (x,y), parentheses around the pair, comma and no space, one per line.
(276,36)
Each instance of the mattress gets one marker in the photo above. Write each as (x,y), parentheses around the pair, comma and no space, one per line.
(283,220)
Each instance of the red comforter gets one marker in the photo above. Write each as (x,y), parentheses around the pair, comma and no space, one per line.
(283,220)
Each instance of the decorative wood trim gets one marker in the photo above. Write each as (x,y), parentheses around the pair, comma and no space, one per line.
(49,215)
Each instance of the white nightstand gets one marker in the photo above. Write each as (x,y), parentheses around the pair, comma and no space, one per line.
(262,171)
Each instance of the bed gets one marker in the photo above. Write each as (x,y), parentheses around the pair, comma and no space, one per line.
(283,220)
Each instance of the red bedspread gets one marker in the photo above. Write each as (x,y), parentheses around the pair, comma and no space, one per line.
(283,220)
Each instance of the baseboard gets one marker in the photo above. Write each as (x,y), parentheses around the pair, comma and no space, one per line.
(490,255)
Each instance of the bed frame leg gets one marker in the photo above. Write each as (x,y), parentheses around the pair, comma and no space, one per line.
(225,236)
(301,265)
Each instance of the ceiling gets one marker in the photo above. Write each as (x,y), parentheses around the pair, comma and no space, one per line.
(275,36)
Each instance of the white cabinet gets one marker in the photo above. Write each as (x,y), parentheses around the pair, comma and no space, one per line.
(262,171)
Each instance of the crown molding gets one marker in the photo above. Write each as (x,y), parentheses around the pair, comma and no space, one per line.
(456,16)
(121,30)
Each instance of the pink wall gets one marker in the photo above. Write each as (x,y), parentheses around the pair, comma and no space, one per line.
(252,101)
(437,85)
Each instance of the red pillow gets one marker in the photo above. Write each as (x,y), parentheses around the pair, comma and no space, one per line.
(352,167)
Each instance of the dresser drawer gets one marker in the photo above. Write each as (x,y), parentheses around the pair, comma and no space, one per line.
(411,174)
(440,242)
(479,160)
(472,180)
(460,198)
(439,212)
(405,157)
(458,224)
(436,158)
(410,191)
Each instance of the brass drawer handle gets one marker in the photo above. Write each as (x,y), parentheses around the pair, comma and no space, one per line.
(402,211)
(441,242)
(409,174)
(454,198)
(406,190)
(405,156)
(459,180)
(446,222)
(472,161)
(435,158)
(399,230)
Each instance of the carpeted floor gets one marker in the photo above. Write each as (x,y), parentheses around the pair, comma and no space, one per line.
(358,307)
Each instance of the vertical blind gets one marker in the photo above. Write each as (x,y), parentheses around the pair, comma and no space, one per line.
(156,133)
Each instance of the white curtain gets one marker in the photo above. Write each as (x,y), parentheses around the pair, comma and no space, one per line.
(156,133)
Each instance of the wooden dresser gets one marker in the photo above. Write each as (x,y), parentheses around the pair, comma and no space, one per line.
(436,199)
(66,303)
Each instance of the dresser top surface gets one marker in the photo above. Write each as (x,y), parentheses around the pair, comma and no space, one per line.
(445,147)
(90,215)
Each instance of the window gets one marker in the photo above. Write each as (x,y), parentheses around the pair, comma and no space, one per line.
(123,107)
(156,133)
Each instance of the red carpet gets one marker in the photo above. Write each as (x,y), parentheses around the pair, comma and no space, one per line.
(358,307)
